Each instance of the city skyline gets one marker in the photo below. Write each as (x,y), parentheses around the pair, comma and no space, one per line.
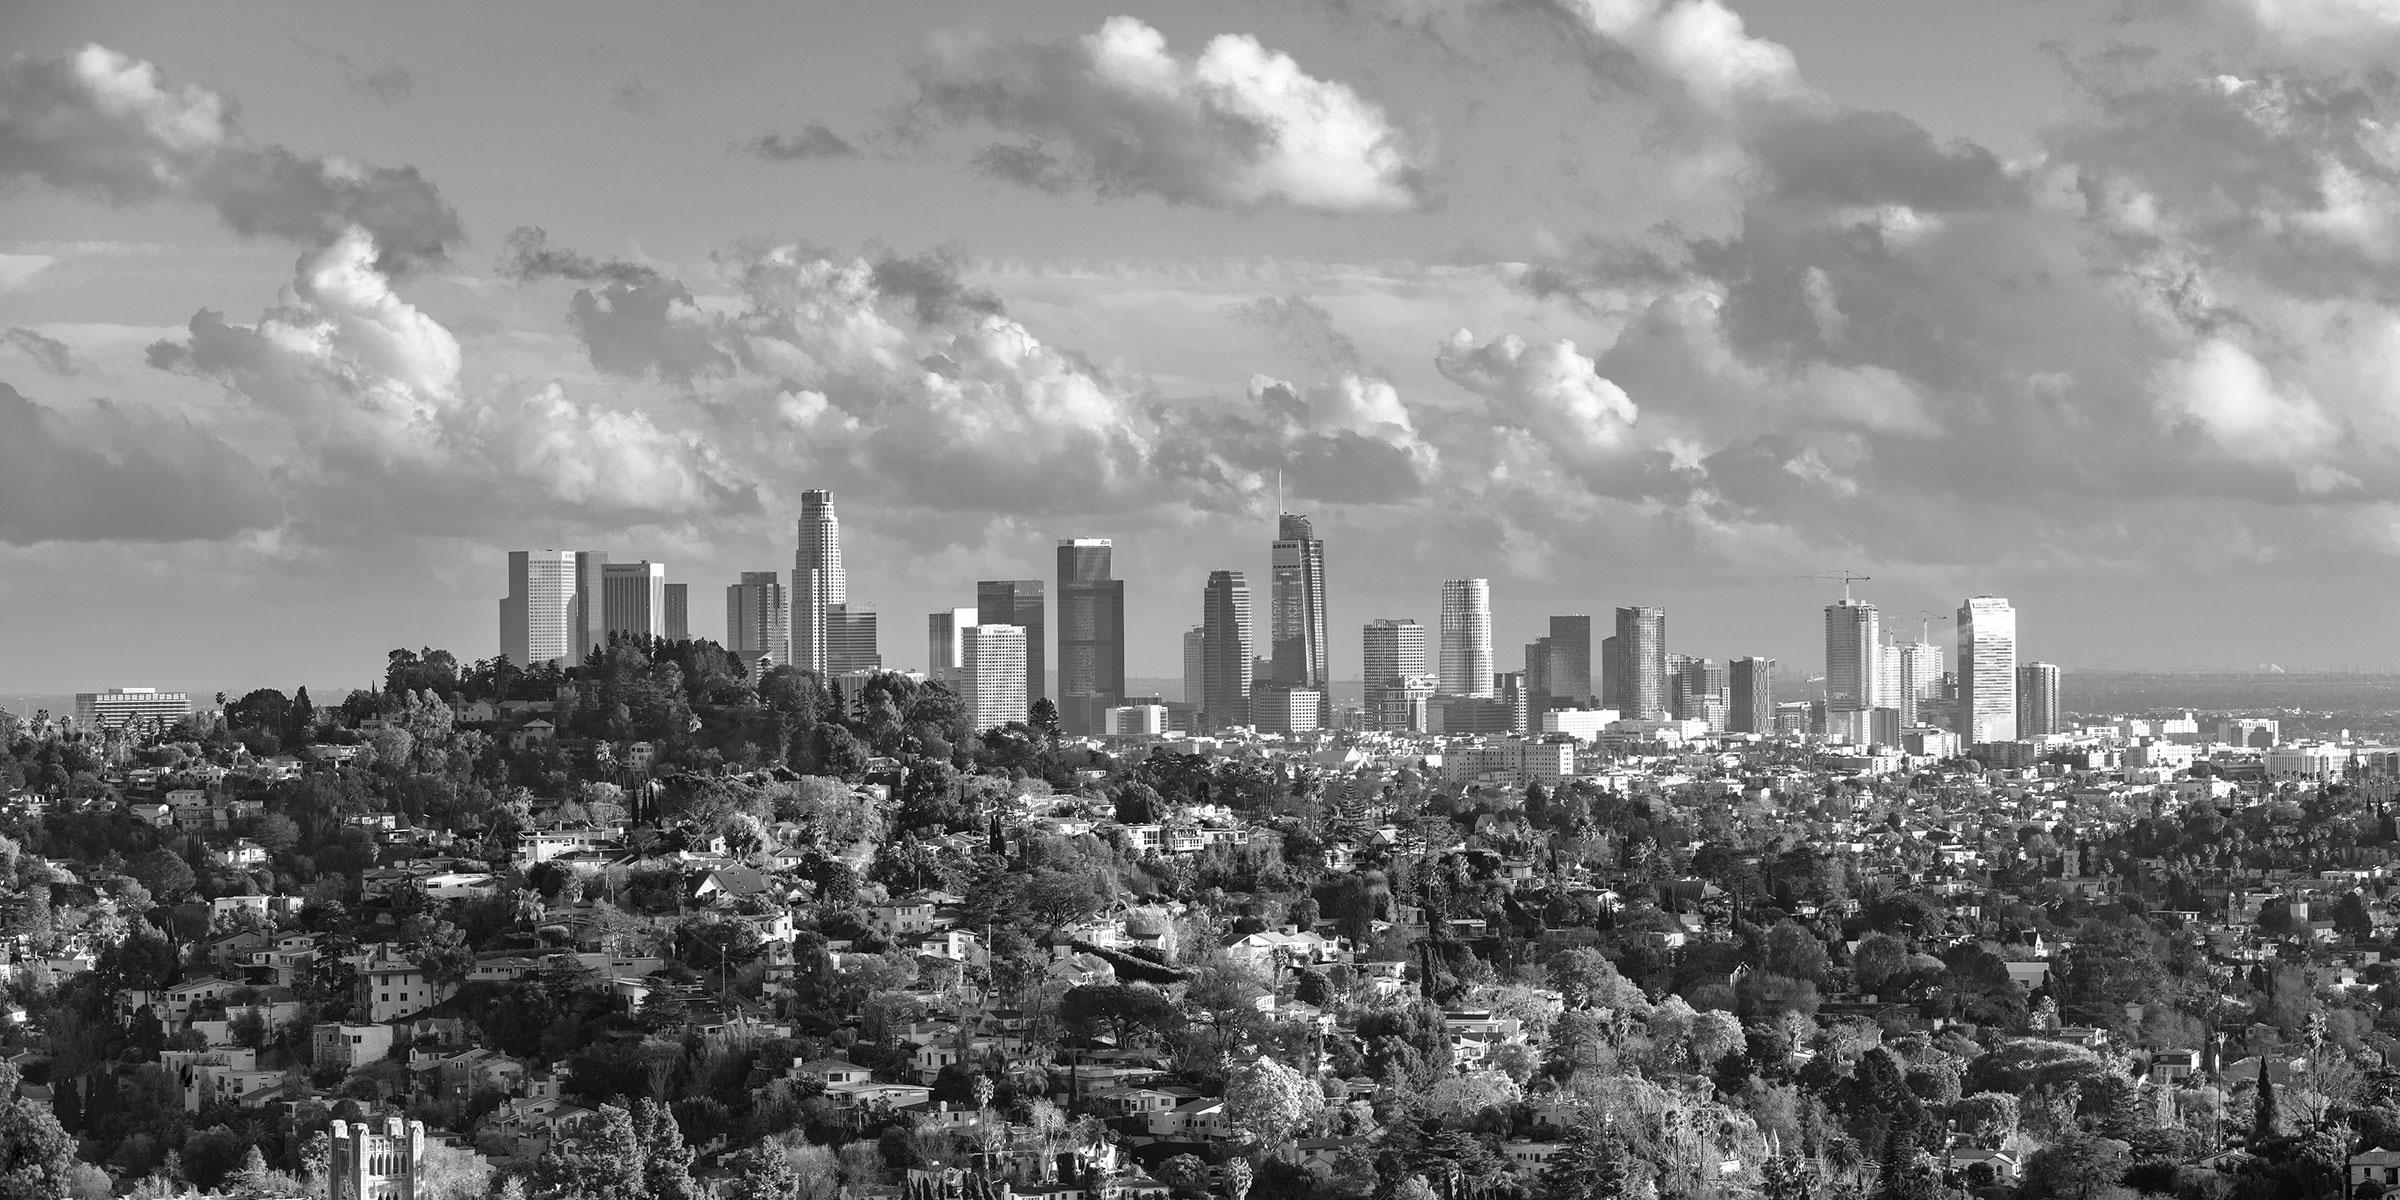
(205,372)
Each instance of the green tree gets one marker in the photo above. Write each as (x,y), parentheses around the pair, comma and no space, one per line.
(666,1161)
(762,1173)
(37,1157)
(604,1163)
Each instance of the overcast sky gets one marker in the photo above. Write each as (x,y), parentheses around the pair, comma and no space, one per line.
(309,313)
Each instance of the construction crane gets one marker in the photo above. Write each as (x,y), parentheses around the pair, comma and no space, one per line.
(1847,577)
(1924,619)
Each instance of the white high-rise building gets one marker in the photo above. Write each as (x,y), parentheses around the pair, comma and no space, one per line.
(1853,634)
(119,707)
(992,683)
(946,643)
(1916,675)
(1466,666)
(758,618)
(537,617)
(1987,671)
(634,599)
(820,588)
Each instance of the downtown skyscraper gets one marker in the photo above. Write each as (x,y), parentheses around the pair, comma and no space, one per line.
(1558,666)
(1853,638)
(1296,628)
(1392,657)
(1987,671)
(758,618)
(1753,704)
(830,635)
(634,599)
(819,584)
(537,617)
(1225,651)
(2037,700)
(1091,635)
(1019,602)
(1466,633)
(1641,658)
(946,643)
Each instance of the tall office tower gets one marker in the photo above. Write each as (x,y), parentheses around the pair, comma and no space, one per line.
(946,643)
(1612,674)
(1853,634)
(1018,602)
(635,603)
(2037,699)
(1296,630)
(589,628)
(1091,635)
(1509,688)
(1887,671)
(1642,649)
(1466,666)
(1226,665)
(992,684)
(537,617)
(851,639)
(1700,689)
(1392,652)
(1195,667)
(819,584)
(1564,677)
(1920,679)
(1921,669)
(679,611)
(1987,671)
(758,618)
(1753,700)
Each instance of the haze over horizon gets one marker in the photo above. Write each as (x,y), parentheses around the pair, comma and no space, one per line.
(308,315)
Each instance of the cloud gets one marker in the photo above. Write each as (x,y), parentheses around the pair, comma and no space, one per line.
(1301,327)
(17,270)
(101,124)
(387,84)
(121,474)
(47,352)
(634,96)
(527,256)
(1238,126)
(387,433)
(811,142)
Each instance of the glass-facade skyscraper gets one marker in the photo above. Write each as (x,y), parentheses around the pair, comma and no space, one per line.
(1225,651)
(1753,702)
(819,584)
(1987,671)
(1392,655)
(1018,602)
(1091,635)
(2037,699)
(758,618)
(1466,666)
(1642,662)
(1296,629)
(1853,637)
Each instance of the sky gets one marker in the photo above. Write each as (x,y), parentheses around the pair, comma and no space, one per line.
(310,312)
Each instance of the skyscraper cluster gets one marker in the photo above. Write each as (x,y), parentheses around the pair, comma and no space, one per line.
(561,604)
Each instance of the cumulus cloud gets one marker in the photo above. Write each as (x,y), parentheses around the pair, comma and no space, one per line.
(102,124)
(810,142)
(115,473)
(370,387)
(47,352)
(1115,111)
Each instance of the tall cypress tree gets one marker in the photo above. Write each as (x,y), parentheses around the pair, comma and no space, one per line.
(666,1161)
(2263,1120)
